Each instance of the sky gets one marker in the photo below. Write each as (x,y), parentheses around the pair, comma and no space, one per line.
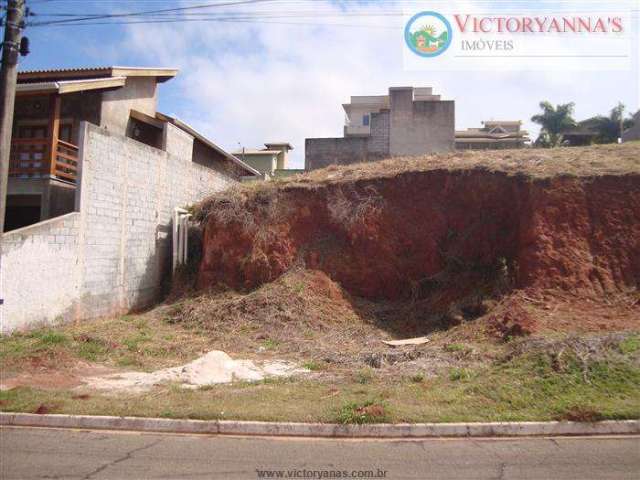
(246,83)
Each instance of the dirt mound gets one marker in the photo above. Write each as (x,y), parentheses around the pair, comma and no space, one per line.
(288,315)
(412,229)
(300,294)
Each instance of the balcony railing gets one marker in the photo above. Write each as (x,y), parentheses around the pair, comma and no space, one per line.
(32,158)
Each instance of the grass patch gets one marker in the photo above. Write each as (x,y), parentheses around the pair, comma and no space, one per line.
(314,366)
(92,350)
(630,344)
(370,411)
(457,374)
(270,344)
(143,341)
(527,388)
(458,348)
(47,338)
(545,378)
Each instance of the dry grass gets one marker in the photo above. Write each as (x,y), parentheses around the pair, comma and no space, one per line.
(231,205)
(303,315)
(349,208)
(536,163)
(591,161)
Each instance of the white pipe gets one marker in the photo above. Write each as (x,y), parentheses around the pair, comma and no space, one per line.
(178,248)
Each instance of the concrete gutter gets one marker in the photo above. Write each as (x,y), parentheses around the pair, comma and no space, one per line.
(229,427)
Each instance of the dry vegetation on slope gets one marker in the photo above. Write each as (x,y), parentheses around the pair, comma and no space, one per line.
(449,233)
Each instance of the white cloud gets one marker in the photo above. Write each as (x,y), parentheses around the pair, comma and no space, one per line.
(253,83)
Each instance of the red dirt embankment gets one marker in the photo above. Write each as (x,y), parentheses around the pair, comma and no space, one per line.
(566,219)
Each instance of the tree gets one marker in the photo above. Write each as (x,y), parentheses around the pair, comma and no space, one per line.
(554,121)
(608,128)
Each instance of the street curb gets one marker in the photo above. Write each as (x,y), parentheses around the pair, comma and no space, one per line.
(406,430)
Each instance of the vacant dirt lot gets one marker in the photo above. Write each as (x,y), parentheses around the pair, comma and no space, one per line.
(521,267)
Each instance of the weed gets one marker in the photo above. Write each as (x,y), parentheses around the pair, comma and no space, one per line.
(299,287)
(456,374)
(371,411)
(417,378)
(629,345)
(91,350)
(127,361)
(580,414)
(133,343)
(364,376)
(49,338)
(456,348)
(12,347)
(270,344)
(314,366)
(141,323)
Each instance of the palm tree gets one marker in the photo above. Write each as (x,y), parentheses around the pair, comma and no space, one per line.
(554,121)
(609,128)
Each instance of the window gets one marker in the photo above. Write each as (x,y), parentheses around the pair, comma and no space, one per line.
(365,120)
(21,211)
(144,132)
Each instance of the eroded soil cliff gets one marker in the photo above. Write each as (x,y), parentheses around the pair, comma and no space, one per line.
(442,230)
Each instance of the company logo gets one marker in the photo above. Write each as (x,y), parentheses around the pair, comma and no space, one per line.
(428,34)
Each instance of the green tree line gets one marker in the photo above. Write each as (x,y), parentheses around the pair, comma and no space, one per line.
(556,121)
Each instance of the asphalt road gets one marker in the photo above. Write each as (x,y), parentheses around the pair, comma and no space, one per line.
(30,453)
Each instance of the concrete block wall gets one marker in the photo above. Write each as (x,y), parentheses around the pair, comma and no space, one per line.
(322,152)
(129,191)
(379,138)
(419,127)
(116,249)
(39,274)
(177,142)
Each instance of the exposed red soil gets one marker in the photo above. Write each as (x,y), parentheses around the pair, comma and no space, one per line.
(437,234)
(526,312)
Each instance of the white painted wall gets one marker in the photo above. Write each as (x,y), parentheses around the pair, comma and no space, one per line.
(39,272)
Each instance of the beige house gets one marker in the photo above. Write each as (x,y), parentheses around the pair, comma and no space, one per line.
(493,134)
(270,161)
(50,107)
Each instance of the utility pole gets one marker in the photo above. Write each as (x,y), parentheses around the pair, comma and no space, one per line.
(621,124)
(11,48)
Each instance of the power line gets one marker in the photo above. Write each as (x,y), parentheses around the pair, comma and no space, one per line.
(187,14)
(148,12)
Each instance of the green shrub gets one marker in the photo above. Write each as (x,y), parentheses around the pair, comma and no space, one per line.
(48,338)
